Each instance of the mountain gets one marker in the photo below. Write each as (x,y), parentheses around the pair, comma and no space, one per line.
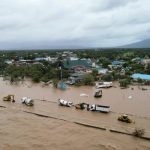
(64,45)
(141,44)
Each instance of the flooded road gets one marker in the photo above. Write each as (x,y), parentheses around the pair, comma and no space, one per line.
(20,130)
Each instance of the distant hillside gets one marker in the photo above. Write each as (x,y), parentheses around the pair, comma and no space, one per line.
(142,44)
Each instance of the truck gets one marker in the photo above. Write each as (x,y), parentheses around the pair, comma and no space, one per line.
(100,108)
(98,94)
(103,85)
(65,103)
(27,101)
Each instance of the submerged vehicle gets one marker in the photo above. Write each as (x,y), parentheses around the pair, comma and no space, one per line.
(125,118)
(103,85)
(100,108)
(84,95)
(98,93)
(82,106)
(27,101)
(65,103)
(9,98)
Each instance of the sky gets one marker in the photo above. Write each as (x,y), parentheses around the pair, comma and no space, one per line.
(72,23)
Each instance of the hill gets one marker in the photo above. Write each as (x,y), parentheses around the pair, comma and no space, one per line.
(141,44)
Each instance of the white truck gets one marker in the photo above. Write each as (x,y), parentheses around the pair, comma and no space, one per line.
(27,101)
(65,103)
(103,85)
(100,108)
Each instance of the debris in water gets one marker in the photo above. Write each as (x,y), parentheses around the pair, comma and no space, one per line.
(130,97)
(83,94)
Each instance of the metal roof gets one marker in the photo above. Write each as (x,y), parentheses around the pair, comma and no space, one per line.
(72,63)
(141,76)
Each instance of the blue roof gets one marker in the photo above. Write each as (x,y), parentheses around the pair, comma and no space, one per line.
(141,76)
(117,62)
(40,58)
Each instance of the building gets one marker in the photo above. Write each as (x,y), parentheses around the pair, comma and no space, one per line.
(137,76)
(136,59)
(145,61)
(117,63)
(68,54)
(76,77)
(9,62)
(41,59)
(79,65)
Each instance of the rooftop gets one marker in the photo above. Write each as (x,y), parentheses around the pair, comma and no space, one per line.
(141,76)
(72,63)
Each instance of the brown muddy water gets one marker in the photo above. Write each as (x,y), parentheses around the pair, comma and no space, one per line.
(21,130)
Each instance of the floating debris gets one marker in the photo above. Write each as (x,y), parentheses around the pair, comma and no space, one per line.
(130,97)
(83,94)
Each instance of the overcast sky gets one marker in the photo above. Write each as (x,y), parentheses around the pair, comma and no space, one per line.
(73,23)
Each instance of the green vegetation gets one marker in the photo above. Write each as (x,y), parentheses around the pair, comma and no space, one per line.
(124,83)
(37,72)
(45,71)
(88,79)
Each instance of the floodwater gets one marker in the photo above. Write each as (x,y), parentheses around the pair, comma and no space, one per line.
(21,130)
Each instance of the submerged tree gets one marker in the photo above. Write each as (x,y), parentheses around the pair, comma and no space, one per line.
(138,132)
(55,82)
(124,83)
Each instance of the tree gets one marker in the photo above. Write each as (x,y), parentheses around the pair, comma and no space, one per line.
(94,74)
(88,79)
(139,80)
(55,82)
(124,83)
(148,69)
(107,77)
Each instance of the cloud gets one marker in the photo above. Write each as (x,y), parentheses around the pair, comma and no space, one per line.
(81,23)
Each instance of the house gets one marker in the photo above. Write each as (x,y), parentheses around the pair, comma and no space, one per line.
(76,77)
(79,65)
(40,59)
(122,72)
(137,76)
(9,62)
(145,61)
(24,62)
(51,59)
(73,58)
(117,63)
(136,59)
(101,71)
(68,54)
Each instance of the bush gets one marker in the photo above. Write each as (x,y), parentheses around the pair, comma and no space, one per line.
(55,82)
(124,83)
(88,79)
(94,74)
(36,78)
(139,80)
(107,77)
(138,132)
